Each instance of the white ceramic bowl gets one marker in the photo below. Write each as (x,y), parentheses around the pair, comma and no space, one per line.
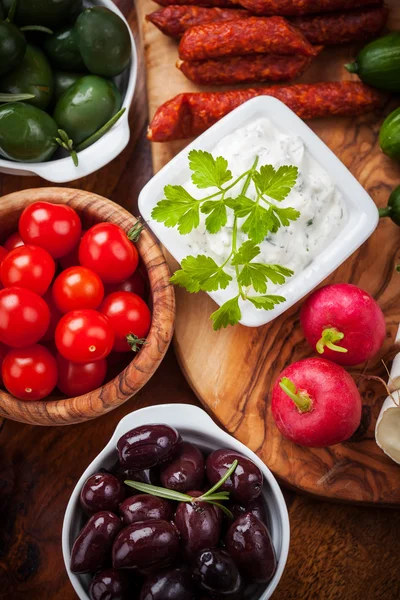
(61,170)
(195,426)
(363,214)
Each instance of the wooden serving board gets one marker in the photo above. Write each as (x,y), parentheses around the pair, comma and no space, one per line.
(232,371)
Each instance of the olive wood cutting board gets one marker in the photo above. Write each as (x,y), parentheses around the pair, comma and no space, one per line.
(232,370)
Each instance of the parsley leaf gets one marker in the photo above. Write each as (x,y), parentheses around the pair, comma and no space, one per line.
(266,302)
(217,216)
(178,208)
(207,170)
(259,222)
(241,205)
(275,183)
(247,251)
(257,274)
(201,273)
(228,314)
(285,215)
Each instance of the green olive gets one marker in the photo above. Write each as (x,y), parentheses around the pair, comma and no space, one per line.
(49,13)
(33,76)
(63,51)
(63,81)
(86,106)
(12,47)
(27,133)
(104,41)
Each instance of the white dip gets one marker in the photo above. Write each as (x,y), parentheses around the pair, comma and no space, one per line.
(321,205)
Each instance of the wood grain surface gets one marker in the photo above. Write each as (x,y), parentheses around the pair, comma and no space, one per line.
(242,363)
(338,552)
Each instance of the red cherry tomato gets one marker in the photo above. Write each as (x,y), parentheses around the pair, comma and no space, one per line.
(28,267)
(24,317)
(72,258)
(77,288)
(75,379)
(106,249)
(3,352)
(54,227)
(14,241)
(3,254)
(136,284)
(29,373)
(127,314)
(84,336)
(55,316)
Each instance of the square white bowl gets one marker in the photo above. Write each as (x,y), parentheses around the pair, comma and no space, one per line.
(362,213)
(62,170)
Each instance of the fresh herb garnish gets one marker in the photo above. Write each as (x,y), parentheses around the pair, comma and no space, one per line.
(261,216)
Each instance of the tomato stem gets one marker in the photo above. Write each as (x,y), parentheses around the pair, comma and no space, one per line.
(135,231)
(300,397)
(135,342)
(330,335)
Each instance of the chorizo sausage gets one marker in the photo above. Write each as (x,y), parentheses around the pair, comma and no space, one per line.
(221,3)
(254,35)
(175,20)
(303,7)
(188,115)
(245,69)
(342,28)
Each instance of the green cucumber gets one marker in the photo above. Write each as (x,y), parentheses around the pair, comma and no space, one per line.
(378,63)
(389,135)
(392,210)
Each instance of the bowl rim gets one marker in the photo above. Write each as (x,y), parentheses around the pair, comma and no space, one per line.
(180,416)
(108,147)
(144,364)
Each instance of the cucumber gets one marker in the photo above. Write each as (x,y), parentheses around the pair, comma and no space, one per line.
(378,63)
(392,210)
(389,135)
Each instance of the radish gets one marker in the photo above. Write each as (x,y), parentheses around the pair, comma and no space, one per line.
(343,323)
(316,403)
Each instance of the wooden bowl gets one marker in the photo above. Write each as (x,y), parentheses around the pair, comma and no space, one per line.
(94,209)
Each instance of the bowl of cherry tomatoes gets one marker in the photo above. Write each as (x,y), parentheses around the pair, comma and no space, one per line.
(86,306)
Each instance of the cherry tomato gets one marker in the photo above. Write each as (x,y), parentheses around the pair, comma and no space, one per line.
(106,249)
(76,288)
(72,258)
(127,314)
(24,317)
(75,379)
(84,336)
(3,254)
(54,227)
(14,241)
(28,267)
(3,352)
(55,316)
(136,284)
(29,373)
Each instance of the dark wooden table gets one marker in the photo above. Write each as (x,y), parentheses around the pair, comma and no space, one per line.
(338,552)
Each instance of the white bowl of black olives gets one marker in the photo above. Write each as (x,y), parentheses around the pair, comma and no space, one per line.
(174,508)
(75,120)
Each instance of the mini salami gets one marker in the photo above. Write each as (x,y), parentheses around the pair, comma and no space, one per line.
(244,36)
(221,3)
(188,115)
(245,69)
(175,20)
(303,7)
(341,28)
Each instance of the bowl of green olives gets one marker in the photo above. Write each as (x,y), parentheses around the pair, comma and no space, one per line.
(67,78)
(175,507)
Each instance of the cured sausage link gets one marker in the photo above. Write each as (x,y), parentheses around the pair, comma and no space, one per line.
(188,115)
(175,20)
(304,7)
(254,35)
(245,69)
(341,28)
(220,3)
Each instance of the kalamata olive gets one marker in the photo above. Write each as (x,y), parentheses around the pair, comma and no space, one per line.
(102,491)
(110,585)
(147,446)
(217,575)
(150,476)
(92,547)
(144,507)
(246,482)
(146,545)
(199,526)
(185,471)
(172,584)
(249,543)
(256,506)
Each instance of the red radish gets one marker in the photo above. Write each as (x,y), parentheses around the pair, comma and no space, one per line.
(344,323)
(316,403)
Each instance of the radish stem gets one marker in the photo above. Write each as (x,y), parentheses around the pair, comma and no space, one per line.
(301,399)
(330,335)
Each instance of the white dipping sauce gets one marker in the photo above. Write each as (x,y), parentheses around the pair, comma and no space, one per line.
(322,208)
